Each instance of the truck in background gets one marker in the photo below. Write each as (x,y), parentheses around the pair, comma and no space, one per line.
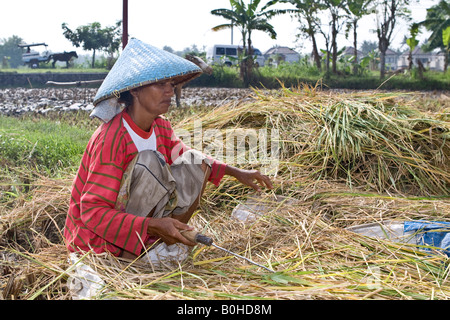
(228,55)
(32,58)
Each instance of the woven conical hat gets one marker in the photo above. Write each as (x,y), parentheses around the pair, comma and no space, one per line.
(141,64)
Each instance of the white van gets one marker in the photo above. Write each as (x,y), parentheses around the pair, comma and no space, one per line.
(228,54)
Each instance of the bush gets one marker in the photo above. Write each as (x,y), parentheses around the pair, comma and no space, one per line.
(223,76)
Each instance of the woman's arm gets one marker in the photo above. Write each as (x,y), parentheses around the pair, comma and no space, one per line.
(251,178)
(169,230)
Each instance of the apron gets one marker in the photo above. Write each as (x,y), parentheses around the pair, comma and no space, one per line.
(150,187)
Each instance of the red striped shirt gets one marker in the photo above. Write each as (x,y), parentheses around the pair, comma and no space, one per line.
(92,221)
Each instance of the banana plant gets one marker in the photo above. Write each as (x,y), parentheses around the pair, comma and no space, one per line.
(446,42)
(412,42)
(247,18)
(437,21)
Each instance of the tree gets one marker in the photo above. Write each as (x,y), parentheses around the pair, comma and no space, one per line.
(387,13)
(357,9)
(247,19)
(337,9)
(326,53)
(93,37)
(168,49)
(9,49)
(368,46)
(307,10)
(437,21)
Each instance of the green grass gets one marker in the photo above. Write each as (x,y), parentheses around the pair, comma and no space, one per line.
(42,144)
(225,77)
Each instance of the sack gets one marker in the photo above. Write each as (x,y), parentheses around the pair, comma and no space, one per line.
(163,255)
(84,283)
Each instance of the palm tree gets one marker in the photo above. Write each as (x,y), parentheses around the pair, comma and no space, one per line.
(247,19)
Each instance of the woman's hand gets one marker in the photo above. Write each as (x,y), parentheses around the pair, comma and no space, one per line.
(251,178)
(168,229)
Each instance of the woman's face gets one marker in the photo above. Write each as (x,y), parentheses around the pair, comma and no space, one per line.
(154,98)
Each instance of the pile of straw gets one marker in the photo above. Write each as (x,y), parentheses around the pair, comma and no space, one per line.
(346,159)
(365,139)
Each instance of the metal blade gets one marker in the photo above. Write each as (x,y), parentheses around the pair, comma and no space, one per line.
(242,257)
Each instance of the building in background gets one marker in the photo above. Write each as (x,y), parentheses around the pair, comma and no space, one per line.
(433,60)
(278,54)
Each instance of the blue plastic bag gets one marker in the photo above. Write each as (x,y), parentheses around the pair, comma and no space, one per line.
(434,234)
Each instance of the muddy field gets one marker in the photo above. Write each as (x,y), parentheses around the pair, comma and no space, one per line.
(17,101)
(20,100)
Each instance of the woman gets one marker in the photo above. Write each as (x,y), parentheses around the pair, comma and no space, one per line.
(137,181)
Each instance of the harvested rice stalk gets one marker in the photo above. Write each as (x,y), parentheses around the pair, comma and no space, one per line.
(364,139)
(328,141)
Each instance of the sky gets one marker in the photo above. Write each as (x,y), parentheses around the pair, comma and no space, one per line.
(175,23)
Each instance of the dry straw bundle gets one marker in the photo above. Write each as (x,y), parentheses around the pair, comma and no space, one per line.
(345,159)
(366,138)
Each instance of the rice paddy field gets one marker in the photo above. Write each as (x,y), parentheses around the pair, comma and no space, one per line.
(343,159)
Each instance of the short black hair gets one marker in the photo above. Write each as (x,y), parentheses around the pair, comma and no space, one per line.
(126,98)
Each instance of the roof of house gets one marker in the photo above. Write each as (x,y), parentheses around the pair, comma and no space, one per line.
(419,52)
(280,50)
(350,51)
(390,52)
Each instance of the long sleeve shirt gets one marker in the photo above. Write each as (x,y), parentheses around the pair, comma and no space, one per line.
(93,222)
